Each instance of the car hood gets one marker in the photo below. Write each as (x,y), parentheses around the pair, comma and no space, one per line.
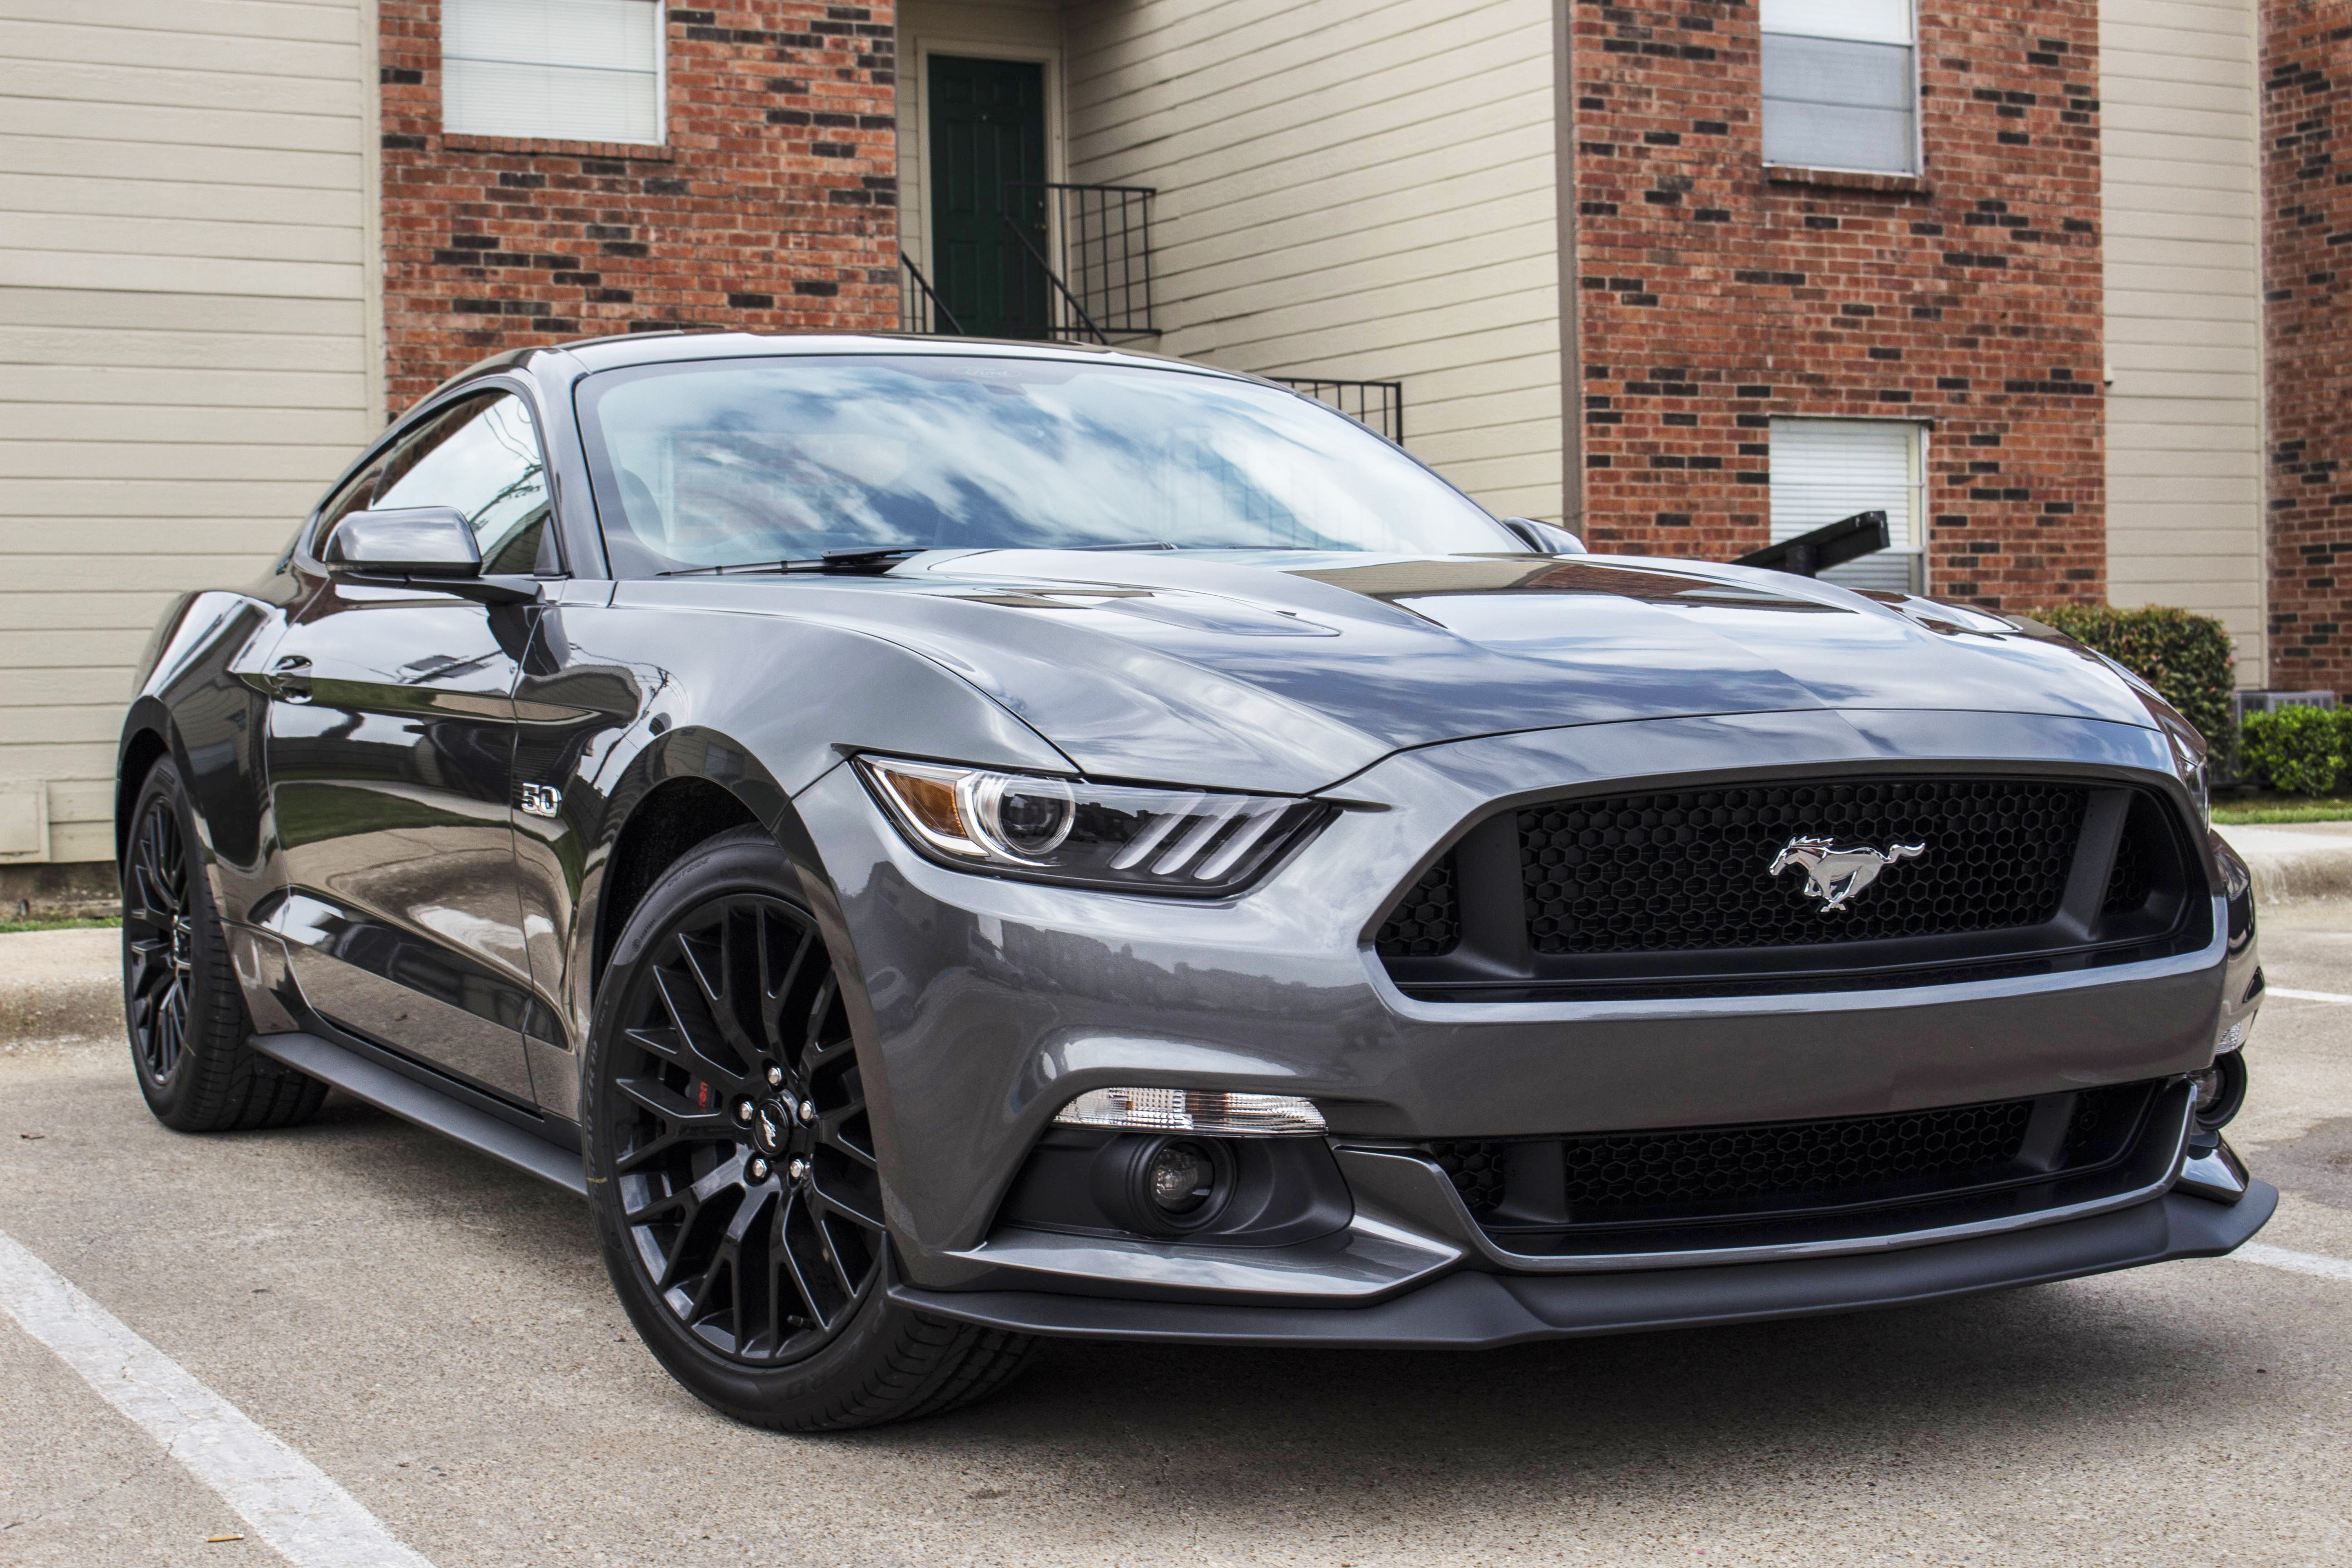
(1292,671)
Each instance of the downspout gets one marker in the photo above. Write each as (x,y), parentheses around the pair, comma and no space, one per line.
(1572,332)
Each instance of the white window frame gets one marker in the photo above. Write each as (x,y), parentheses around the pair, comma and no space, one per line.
(1908,535)
(1918,168)
(659,10)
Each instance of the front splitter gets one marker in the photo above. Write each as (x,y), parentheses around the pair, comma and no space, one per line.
(1475,1311)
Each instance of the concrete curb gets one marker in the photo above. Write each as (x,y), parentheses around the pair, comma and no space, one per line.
(2296,863)
(60,984)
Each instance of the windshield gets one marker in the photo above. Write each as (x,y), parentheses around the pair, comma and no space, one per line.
(736,462)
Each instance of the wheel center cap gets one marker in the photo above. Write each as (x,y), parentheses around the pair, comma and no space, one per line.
(771,1127)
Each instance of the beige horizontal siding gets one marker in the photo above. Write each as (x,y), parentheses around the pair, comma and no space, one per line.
(1354,190)
(2180,126)
(185,359)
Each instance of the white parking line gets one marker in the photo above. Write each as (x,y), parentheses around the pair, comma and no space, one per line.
(2305,995)
(288,1500)
(2294,1262)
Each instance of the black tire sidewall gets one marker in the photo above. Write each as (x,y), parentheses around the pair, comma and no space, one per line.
(803,1393)
(212,991)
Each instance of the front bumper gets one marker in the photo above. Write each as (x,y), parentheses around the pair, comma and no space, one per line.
(983,1006)
(1470,1310)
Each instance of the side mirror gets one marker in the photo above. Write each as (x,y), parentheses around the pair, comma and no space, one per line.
(1544,538)
(429,547)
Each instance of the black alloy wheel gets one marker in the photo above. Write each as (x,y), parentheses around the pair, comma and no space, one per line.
(159,939)
(740,1145)
(733,1164)
(190,1033)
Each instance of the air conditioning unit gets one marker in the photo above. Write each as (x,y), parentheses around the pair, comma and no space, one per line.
(2244,702)
(2226,768)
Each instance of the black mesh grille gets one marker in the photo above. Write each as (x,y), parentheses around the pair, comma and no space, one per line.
(1691,870)
(1427,922)
(1812,1163)
(1476,1170)
(1697,1174)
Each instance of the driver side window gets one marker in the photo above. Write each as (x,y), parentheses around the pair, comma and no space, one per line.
(481,456)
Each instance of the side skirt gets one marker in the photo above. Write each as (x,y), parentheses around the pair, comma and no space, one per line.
(385,1089)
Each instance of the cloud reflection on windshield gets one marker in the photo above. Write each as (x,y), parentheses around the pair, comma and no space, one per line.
(744,462)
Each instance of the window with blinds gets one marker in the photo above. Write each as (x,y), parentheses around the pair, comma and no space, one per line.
(577,71)
(1824,470)
(1841,87)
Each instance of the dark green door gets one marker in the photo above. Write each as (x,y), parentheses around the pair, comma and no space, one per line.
(988,128)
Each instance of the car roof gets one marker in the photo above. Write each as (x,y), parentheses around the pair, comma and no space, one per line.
(595,355)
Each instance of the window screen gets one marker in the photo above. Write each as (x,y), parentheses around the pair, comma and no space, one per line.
(1839,88)
(1824,470)
(583,70)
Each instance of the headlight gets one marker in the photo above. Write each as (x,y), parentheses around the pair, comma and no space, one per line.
(1125,836)
(2195,773)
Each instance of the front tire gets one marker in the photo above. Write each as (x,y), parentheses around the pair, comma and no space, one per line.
(181,1005)
(731,1163)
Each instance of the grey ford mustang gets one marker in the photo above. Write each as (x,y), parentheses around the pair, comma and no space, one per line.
(944,843)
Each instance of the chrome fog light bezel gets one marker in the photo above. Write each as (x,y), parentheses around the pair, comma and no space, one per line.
(1207,1112)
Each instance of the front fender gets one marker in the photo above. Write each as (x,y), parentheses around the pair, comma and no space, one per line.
(192,701)
(617,701)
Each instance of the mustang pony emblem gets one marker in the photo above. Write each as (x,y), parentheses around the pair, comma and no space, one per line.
(1834,873)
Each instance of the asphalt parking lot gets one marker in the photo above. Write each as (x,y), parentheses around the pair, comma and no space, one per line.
(435,1333)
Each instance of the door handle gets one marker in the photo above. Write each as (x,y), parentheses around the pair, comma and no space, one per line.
(289,678)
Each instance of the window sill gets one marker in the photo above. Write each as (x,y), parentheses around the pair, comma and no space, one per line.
(458,142)
(1848,180)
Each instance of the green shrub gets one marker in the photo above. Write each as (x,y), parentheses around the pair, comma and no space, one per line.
(2186,657)
(2296,751)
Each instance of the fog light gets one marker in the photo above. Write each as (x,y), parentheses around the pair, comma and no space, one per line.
(1181,1178)
(1191,1111)
(2220,1091)
(1163,1186)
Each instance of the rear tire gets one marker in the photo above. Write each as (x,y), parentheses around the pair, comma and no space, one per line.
(732,1168)
(181,1005)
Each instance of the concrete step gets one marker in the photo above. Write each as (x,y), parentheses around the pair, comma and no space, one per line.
(2295,862)
(60,984)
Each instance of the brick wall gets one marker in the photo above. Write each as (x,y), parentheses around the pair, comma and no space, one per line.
(773,204)
(2307,265)
(1712,297)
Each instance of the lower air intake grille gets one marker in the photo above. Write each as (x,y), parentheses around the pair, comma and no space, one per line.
(1731,1169)
(1691,870)
(1785,1168)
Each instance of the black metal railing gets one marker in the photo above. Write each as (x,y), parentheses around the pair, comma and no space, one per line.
(920,309)
(1096,283)
(1379,403)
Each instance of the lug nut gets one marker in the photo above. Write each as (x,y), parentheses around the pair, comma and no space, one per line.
(759,1169)
(808,1110)
(742,1111)
(797,1169)
(775,1076)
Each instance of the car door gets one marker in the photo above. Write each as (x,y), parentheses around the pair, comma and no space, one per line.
(391,758)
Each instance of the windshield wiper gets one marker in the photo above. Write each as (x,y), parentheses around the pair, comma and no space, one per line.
(864,562)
